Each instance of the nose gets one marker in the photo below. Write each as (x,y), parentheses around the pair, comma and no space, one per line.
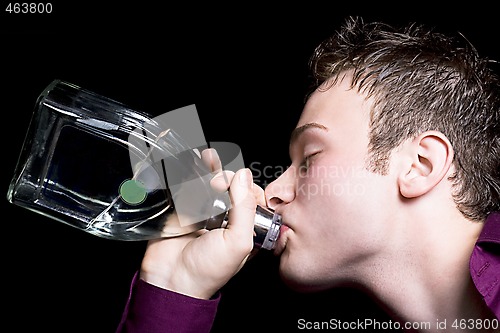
(282,190)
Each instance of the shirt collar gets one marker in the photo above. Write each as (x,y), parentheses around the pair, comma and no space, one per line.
(491,229)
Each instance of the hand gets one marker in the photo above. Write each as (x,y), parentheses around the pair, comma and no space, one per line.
(200,263)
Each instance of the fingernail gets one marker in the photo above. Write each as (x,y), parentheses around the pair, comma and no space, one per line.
(246,178)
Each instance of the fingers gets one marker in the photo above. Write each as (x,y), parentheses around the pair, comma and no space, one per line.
(221,181)
(239,230)
(244,195)
(211,159)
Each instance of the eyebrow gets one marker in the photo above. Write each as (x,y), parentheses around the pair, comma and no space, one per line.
(297,132)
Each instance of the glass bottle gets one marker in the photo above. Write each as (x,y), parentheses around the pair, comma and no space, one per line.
(95,164)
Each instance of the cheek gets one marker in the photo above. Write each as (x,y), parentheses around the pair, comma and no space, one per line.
(320,209)
(342,201)
(331,181)
(342,223)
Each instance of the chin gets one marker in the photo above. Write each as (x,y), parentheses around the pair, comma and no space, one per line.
(302,278)
(304,286)
(300,281)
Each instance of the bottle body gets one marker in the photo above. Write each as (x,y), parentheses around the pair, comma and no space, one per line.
(94,164)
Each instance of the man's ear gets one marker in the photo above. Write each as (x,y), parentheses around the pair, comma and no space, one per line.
(429,156)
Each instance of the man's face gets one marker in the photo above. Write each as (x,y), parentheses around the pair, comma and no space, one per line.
(332,206)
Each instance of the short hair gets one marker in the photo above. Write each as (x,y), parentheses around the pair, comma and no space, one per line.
(422,80)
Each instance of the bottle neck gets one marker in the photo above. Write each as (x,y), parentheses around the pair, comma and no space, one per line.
(267,226)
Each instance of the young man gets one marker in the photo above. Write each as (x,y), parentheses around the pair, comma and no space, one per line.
(394,187)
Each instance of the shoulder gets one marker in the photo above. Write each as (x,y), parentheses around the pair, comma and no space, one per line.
(485,262)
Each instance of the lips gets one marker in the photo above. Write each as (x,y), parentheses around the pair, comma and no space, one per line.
(282,240)
(283,230)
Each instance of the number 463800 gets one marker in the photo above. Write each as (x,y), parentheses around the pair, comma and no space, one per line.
(29,8)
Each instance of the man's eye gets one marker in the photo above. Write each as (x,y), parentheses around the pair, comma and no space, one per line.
(306,162)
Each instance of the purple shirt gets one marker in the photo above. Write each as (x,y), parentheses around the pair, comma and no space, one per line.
(485,263)
(152,309)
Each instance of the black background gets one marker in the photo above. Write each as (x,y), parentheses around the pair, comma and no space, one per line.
(244,66)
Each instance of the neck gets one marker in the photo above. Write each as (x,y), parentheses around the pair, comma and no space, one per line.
(424,278)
